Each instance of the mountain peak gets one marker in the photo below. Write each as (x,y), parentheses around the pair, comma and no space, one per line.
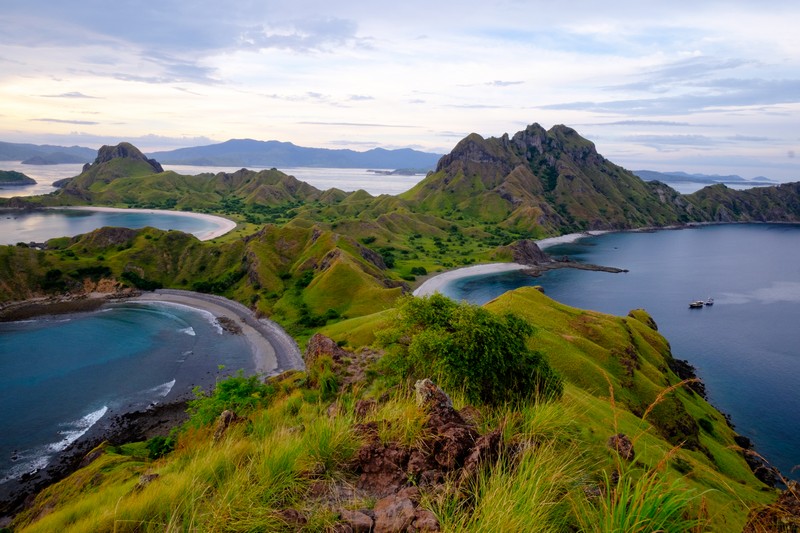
(123,150)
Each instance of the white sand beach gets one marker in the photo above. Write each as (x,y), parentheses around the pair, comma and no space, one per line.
(263,352)
(222,225)
(437,282)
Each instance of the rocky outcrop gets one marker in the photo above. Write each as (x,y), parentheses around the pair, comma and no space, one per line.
(622,444)
(527,252)
(123,150)
(781,516)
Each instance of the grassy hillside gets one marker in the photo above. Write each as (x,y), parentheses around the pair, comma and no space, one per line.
(295,459)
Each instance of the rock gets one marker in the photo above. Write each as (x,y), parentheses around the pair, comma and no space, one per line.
(485,452)
(358,521)
(622,445)
(783,515)
(430,397)
(124,150)
(318,346)
(471,415)
(453,444)
(145,480)
(394,514)
(364,408)
(223,423)
(425,520)
(382,468)
(292,517)
(527,252)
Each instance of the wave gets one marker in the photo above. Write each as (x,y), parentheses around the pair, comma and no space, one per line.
(76,430)
(161,390)
(189,331)
(33,460)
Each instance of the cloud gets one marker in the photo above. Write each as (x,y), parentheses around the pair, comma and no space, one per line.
(688,140)
(360,97)
(73,94)
(500,83)
(63,121)
(319,34)
(748,138)
(680,72)
(356,124)
(720,94)
(667,123)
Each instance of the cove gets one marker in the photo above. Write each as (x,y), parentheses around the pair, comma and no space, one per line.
(60,375)
(43,224)
(746,347)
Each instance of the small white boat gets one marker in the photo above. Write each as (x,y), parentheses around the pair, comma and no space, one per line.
(710,301)
(697,304)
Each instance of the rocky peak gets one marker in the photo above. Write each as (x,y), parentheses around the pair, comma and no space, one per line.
(474,149)
(122,150)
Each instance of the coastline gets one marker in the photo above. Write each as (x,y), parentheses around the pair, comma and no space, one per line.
(273,352)
(435,283)
(223,225)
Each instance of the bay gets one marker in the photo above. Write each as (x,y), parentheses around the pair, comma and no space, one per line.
(746,347)
(60,375)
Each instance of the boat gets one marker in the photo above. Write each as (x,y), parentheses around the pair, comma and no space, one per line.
(710,301)
(697,304)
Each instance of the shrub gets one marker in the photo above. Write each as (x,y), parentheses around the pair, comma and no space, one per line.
(239,394)
(467,347)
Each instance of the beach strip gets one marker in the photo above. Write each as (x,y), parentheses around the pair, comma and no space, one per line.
(274,351)
(222,225)
(439,281)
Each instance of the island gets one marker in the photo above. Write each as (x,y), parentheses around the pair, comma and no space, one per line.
(14,178)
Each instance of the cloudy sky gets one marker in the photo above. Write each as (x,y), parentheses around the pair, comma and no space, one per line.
(706,86)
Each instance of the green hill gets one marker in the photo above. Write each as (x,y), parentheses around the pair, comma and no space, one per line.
(12,177)
(627,447)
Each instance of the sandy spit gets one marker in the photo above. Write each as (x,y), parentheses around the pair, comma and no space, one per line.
(274,351)
(223,225)
(437,282)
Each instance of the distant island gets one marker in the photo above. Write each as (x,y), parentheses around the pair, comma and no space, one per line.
(400,172)
(45,154)
(266,154)
(711,179)
(12,177)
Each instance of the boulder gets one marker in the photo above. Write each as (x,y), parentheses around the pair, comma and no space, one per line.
(622,445)
(394,514)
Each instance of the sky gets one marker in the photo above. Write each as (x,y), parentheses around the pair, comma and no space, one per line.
(704,86)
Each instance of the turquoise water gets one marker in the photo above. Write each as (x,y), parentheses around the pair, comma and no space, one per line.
(60,375)
(41,225)
(746,347)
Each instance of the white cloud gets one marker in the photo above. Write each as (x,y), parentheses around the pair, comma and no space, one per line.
(649,74)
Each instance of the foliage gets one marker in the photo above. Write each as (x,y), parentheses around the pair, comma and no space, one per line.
(238,394)
(159,446)
(139,282)
(467,347)
(647,503)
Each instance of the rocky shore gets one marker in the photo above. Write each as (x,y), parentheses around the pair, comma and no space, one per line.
(119,429)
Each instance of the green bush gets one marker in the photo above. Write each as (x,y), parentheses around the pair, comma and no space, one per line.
(466,347)
(238,394)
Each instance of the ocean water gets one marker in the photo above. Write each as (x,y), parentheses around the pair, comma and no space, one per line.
(60,375)
(346,179)
(39,226)
(746,347)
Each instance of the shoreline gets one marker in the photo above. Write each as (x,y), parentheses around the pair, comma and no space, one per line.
(273,351)
(436,282)
(223,225)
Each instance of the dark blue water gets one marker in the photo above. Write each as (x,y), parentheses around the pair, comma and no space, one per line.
(41,225)
(746,347)
(60,375)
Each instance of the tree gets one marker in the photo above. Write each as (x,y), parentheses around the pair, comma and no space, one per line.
(466,347)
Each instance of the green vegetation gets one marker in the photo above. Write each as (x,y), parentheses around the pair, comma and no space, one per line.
(12,177)
(313,259)
(467,348)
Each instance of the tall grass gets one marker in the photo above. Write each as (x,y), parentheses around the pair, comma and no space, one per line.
(642,504)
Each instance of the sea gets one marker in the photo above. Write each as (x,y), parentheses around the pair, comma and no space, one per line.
(745,347)
(39,226)
(62,374)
